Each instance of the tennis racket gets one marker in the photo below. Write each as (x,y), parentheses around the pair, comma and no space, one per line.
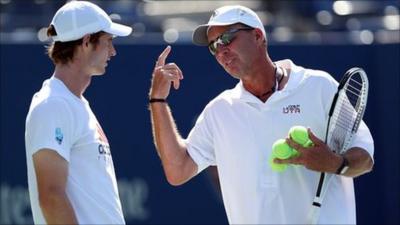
(345,115)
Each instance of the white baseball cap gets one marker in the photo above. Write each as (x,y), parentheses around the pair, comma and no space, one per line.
(78,18)
(227,15)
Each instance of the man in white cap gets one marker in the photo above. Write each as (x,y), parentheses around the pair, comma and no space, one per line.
(236,129)
(70,169)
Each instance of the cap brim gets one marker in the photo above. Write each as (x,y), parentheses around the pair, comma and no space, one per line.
(200,35)
(119,29)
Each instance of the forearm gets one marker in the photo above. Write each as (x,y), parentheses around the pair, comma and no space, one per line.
(320,158)
(170,146)
(360,162)
(57,209)
(168,142)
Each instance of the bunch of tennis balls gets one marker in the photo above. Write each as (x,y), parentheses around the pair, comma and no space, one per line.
(281,150)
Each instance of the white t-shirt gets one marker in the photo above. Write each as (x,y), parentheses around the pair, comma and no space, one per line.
(236,131)
(60,121)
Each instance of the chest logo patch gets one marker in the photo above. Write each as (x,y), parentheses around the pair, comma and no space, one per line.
(290,109)
(104,147)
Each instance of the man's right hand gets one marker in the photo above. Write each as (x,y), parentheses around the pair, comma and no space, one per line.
(178,166)
(163,75)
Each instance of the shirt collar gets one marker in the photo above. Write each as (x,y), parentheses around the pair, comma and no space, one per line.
(295,77)
(59,84)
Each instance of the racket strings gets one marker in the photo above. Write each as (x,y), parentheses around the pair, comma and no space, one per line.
(345,115)
(355,81)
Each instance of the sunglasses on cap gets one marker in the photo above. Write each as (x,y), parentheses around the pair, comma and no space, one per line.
(225,39)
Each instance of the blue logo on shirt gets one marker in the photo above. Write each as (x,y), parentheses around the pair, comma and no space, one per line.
(59,135)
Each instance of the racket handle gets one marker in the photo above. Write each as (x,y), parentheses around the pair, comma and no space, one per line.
(313,215)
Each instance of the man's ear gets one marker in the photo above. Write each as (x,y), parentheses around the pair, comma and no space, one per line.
(86,40)
(259,34)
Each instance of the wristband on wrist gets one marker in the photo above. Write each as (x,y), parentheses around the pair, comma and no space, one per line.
(343,167)
(153,100)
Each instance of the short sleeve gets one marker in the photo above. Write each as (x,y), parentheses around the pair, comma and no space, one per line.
(199,142)
(363,139)
(49,125)
(328,91)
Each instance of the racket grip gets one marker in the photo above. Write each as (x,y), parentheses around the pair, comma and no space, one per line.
(313,215)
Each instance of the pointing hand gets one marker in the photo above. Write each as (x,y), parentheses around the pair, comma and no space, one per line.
(163,75)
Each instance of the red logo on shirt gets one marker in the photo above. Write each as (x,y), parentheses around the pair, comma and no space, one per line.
(102,135)
(104,147)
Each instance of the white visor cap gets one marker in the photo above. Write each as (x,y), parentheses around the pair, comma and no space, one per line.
(227,15)
(79,18)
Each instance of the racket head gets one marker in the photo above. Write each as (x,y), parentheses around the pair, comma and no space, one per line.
(347,109)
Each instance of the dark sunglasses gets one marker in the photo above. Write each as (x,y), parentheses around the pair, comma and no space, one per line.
(225,39)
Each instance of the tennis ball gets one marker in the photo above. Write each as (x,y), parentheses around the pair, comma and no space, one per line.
(308,143)
(299,134)
(275,166)
(281,150)
(295,153)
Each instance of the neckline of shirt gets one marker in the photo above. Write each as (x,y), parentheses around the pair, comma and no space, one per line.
(65,89)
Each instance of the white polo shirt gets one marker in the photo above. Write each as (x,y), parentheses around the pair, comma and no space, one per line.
(236,131)
(60,121)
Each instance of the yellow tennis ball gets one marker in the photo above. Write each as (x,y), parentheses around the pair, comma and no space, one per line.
(275,166)
(281,150)
(308,143)
(299,134)
(295,153)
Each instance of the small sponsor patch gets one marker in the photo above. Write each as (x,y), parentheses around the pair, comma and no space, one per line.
(59,135)
(290,109)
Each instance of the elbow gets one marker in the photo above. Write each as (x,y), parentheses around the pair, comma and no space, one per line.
(179,172)
(175,183)
(175,179)
(366,167)
(176,175)
(369,165)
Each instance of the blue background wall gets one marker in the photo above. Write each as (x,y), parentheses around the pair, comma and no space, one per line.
(119,99)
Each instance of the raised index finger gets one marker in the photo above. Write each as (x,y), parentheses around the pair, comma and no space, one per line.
(163,56)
